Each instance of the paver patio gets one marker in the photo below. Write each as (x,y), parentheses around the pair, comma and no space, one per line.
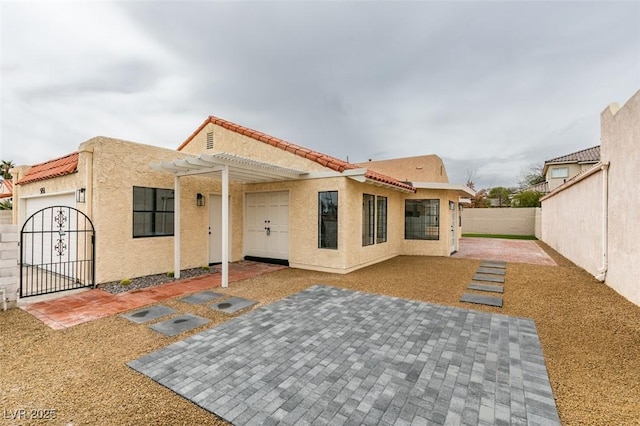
(329,355)
(517,251)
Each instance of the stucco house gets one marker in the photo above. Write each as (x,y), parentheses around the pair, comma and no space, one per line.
(591,218)
(559,170)
(229,192)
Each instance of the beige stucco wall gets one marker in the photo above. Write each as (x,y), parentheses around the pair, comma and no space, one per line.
(235,143)
(621,148)
(538,223)
(423,168)
(118,166)
(510,221)
(572,223)
(442,246)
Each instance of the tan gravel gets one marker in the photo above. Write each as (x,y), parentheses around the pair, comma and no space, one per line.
(590,337)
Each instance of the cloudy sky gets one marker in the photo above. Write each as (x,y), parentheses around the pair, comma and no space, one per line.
(491,87)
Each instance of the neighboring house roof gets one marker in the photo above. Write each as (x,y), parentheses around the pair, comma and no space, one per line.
(51,169)
(6,188)
(322,159)
(589,155)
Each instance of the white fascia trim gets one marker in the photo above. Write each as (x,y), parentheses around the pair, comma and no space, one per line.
(333,173)
(445,186)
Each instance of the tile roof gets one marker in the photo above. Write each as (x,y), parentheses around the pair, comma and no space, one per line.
(322,159)
(51,169)
(589,155)
(8,185)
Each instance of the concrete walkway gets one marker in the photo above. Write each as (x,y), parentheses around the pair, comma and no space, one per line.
(89,305)
(333,356)
(515,251)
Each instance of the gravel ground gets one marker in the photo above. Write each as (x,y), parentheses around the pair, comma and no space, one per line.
(137,283)
(590,337)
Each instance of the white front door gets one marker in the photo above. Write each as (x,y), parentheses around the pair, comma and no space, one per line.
(267,225)
(454,225)
(215,229)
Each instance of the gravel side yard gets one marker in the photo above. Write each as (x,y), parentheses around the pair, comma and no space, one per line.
(590,337)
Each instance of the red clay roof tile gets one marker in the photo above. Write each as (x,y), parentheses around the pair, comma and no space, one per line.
(51,169)
(322,159)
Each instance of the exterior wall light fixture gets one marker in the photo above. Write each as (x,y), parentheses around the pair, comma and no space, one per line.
(80,195)
(199,200)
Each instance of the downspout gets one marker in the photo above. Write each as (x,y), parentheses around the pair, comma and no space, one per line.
(605,221)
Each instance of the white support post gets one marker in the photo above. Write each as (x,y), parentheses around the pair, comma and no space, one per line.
(176,227)
(225,227)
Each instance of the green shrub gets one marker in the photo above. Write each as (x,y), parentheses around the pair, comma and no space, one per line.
(205,268)
(125,282)
(170,274)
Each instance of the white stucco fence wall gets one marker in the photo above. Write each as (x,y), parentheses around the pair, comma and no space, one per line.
(505,221)
(9,236)
(621,149)
(572,223)
(6,217)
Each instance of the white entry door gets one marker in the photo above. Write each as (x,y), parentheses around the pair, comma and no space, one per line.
(267,225)
(454,225)
(215,229)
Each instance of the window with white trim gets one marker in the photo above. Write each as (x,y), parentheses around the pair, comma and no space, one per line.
(559,172)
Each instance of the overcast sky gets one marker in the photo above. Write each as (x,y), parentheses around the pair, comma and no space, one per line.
(491,87)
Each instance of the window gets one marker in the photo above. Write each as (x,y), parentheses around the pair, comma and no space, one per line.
(328,219)
(421,219)
(152,212)
(381,235)
(368,219)
(560,172)
(210,140)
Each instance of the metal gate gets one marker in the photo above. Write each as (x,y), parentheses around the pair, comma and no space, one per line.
(57,249)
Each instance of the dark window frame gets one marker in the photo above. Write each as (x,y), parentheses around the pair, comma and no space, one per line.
(382,215)
(422,219)
(153,212)
(368,219)
(328,215)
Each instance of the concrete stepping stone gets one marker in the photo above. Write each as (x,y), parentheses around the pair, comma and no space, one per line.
(482,300)
(489,278)
(491,271)
(148,314)
(202,297)
(493,264)
(178,325)
(232,305)
(486,287)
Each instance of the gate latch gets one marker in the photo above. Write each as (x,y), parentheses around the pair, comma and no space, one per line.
(266,228)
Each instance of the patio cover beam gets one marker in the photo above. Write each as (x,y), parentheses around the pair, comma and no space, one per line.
(231,167)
